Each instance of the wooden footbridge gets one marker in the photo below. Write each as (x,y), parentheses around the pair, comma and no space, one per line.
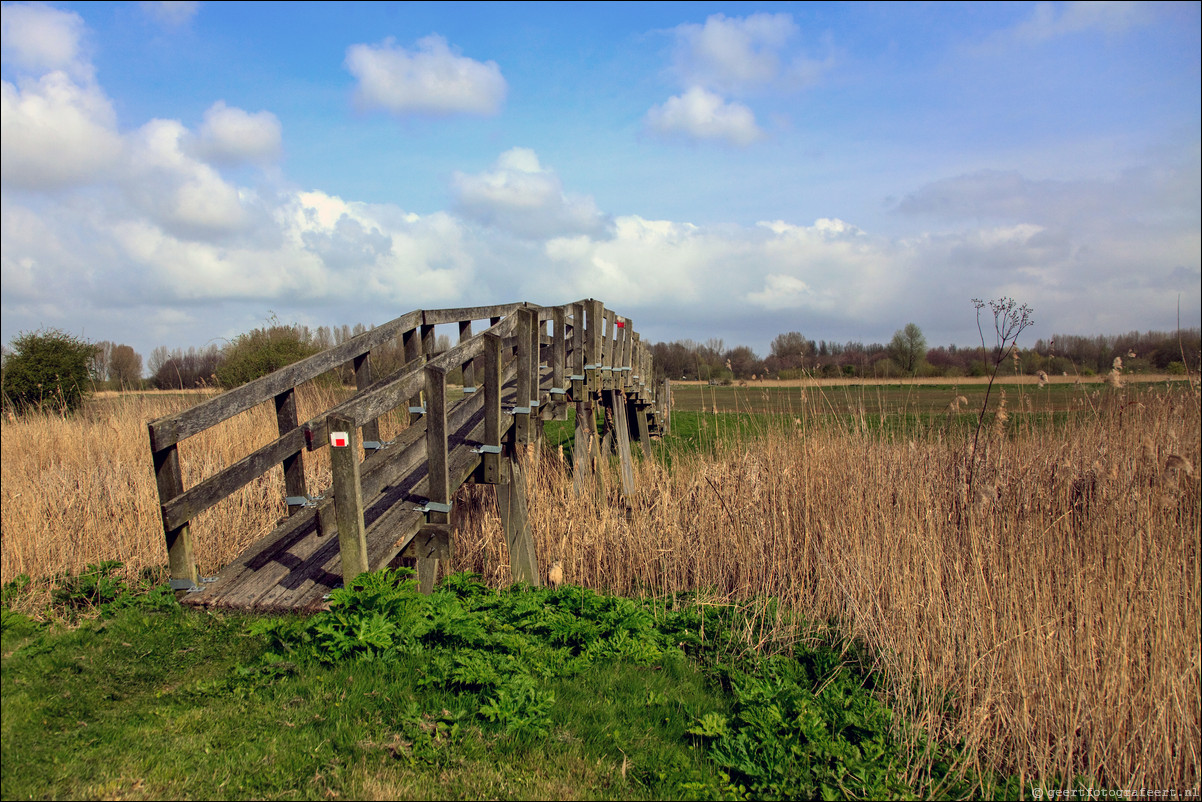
(396,501)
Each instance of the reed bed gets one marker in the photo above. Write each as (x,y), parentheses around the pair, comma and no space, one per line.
(1045,617)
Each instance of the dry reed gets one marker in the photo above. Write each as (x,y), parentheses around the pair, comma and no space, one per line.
(1050,615)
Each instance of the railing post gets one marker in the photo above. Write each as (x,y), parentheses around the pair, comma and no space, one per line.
(181,556)
(413,350)
(469,370)
(521,410)
(491,369)
(434,546)
(294,465)
(348,497)
(559,391)
(363,377)
(593,369)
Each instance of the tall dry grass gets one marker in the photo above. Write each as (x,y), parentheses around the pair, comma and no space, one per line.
(1048,618)
(80,489)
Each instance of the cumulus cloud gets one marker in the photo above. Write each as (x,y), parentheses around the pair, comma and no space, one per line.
(701,114)
(522,197)
(41,39)
(232,136)
(55,132)
(430,79)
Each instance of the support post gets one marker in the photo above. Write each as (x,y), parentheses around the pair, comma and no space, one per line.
(181,556)
(622,430)
(511,506)
(348,497)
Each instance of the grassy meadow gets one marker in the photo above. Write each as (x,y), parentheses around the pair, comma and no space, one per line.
(1026,581)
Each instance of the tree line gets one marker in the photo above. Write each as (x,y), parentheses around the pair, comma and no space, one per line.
(57,369)
(792,356)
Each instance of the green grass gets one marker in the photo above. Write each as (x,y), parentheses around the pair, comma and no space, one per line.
(467,693)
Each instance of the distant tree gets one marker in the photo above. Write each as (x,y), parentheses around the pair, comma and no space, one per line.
(184,370)
(261,351)
(789,351)
(743,362)
(98,365)
(47,368)
(158,358)
(908,348)
(125,367)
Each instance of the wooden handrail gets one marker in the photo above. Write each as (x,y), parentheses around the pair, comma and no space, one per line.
(586,351)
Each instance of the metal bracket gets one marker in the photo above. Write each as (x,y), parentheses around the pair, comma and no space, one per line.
(606,367)
(577,377)
(303,501)
(559,391)
(418,410)
(376,445)
(469,390)
(521,410)
(589,367)
(486,450)
(186,584)
(433,506)
(533,404)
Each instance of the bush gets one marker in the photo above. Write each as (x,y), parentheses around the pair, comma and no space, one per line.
(262,351)
(47,368)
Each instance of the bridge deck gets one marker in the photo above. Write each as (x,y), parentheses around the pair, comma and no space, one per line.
(296,565)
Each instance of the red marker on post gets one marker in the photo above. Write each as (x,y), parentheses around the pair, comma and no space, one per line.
(339,439)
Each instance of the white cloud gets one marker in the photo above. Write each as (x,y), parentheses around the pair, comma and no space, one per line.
(736,55)
(172,13)
(230,135)
(1048,21)
(432,79)
(519,195)
(40,39)
(732,53)
(178,191)
(700,114)
(55,132)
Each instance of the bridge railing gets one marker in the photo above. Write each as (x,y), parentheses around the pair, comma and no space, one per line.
(589,350)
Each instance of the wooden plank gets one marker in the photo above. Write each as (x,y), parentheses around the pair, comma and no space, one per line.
(348,498)
(293,464)
(496,312)
(173,428)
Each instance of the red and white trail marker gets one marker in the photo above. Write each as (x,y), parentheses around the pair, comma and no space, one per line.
(339,439)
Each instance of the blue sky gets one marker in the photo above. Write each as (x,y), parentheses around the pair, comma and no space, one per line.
(174,173)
